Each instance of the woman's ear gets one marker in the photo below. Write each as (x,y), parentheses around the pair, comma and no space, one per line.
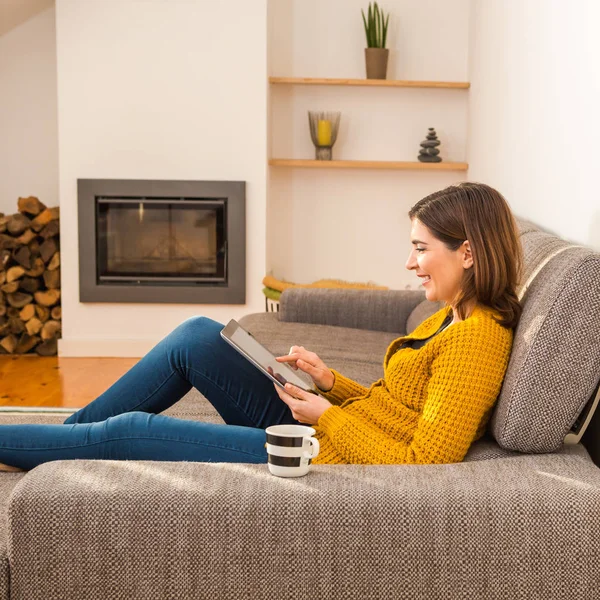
(467,255)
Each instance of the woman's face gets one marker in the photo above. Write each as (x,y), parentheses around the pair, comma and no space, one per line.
(439,268)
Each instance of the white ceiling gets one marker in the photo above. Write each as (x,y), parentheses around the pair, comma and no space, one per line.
(15,12)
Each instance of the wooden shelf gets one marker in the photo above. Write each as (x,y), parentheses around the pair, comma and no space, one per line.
(368,164)
(455,85)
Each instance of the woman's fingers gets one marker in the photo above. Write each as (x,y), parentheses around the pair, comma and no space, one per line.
(291,357)
(293,393)
(304,406)
(306,367)
(281,394)
(287,399)
(297,393)
(300,358)
(288,358)
(294,358)
(292,402)
(296,363)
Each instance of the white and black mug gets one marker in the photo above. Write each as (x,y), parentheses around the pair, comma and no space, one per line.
(290,449)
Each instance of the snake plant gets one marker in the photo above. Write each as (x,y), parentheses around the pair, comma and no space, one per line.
(376,25)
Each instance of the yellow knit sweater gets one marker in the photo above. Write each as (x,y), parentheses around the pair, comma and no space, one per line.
(432,403)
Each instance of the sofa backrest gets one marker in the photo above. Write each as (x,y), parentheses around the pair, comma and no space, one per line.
(555,362)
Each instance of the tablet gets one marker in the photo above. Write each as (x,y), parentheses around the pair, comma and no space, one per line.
(245,343)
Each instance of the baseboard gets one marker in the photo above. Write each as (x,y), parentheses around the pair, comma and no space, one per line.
(116,348)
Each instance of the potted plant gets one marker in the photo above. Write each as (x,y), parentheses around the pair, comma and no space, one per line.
(376,54)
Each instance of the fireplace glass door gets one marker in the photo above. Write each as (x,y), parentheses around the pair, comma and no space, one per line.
(175,241)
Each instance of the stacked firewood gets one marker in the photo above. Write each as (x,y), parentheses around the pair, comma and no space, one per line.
(30,312)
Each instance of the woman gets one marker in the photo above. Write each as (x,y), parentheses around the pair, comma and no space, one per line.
(438,390)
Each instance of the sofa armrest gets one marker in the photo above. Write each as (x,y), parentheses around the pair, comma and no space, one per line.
(375,310)
(146,530)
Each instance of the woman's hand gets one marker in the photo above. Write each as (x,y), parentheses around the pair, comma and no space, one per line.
(306,407)
(310,363)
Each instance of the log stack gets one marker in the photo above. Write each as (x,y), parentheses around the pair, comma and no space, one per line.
(30,311)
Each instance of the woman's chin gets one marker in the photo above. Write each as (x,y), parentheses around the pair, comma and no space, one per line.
(430,295)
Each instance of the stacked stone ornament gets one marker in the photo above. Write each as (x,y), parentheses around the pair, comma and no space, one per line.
(429,152)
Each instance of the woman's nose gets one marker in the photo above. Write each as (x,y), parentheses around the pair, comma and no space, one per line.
(411,262)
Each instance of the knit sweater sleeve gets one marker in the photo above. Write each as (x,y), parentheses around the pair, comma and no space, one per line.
(343,389)
(465,379)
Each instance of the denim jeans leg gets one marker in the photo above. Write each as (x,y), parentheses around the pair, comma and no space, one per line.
(132,436)
(194,354)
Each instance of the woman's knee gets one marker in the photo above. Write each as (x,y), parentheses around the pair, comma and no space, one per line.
(199,326)
(131,425)
(194,341)
(196,331)
(128,422)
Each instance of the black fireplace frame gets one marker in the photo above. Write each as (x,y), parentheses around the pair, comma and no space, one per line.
(232,291)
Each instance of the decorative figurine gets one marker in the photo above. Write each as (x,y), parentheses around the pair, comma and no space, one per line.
(428,151)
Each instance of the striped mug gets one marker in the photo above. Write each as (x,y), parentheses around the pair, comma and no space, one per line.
(290,449)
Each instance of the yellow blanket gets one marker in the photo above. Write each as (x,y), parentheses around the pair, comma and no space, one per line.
(279,285)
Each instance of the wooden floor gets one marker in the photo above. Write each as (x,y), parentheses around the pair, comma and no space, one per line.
(29,380)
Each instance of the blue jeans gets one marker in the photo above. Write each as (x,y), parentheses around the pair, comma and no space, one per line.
(123,423)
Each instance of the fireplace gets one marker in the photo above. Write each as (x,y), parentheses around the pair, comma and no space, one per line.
(162,241)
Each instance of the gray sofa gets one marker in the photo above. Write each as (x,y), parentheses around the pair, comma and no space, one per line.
(519,518)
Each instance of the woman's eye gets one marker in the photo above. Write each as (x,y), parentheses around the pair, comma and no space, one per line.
(420,249)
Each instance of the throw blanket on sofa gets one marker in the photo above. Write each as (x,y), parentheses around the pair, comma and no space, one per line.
(274,287)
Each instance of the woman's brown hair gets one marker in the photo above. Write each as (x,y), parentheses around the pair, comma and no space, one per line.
(478,213)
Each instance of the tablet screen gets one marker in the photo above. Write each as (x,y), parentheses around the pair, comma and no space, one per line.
(256,353)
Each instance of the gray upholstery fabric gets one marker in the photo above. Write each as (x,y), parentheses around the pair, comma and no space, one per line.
(525,226)
(522,527)
(376,310)
(487,449)
(555,362)
(4,570)
(422,311)
(8,481)
(538,248)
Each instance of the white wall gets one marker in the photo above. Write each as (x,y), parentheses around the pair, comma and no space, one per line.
(28,123)
(353,224)
(163,93)
(160,89)
(534,106)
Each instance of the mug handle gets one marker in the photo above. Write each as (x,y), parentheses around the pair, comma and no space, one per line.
(316,447)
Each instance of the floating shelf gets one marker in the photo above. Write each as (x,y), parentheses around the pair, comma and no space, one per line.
(368,164)
(455,85)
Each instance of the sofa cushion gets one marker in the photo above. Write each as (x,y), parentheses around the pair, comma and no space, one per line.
(539,248)
(422,311)
(142,529)
(371,310)
(555,361)
(8,481)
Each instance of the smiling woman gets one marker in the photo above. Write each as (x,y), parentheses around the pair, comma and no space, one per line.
(439,387)
(440,382)
(467,250)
